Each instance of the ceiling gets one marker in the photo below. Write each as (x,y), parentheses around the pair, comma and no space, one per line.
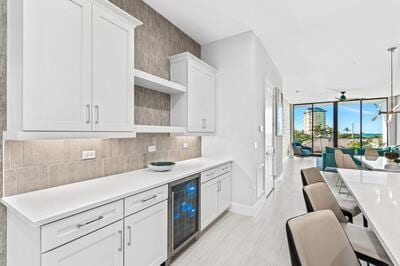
(320,47)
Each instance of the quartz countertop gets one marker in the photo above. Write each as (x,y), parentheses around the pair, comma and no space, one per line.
(48,205)
(380,163)
(378,195)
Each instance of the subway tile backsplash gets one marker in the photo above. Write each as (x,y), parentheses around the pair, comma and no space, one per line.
(34,165)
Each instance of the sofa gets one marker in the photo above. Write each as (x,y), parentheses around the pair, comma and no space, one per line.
(328,156)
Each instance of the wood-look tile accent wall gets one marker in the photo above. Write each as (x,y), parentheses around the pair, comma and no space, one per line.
(151,107)
(34,165)
(155,41)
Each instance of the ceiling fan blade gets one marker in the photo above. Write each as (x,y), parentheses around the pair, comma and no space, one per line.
(374,118)
(390,118)
(396,108)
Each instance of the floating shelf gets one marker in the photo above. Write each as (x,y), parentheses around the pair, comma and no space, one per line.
(158,129)
(153,82)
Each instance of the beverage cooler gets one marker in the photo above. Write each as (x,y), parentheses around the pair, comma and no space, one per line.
(183,212)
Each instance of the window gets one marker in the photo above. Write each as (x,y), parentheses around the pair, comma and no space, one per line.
(349,124)
(302,125)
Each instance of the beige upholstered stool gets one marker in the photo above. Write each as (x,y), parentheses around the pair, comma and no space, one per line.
(317,239)
(318,197)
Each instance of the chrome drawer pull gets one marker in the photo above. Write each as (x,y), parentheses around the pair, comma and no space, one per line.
(152,197)
(122,241)
(130,235)
(90,222)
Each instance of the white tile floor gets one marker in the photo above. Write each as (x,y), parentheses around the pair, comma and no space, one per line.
(260,240)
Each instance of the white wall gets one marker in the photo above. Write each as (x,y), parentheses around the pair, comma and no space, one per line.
(243,65)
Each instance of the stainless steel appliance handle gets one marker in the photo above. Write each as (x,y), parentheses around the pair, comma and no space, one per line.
(130,235)
(122,240)
(90,222)
(172,219)
(97,114)
(88,114)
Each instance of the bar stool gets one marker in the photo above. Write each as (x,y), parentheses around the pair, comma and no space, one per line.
(318,197)
(317,239)
(349,207)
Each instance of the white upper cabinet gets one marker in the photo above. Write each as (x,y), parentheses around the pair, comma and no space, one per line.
(56,65)
(195,109)
(113,65)
(69,69)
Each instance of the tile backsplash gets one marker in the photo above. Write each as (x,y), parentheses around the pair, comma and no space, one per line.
(34,165)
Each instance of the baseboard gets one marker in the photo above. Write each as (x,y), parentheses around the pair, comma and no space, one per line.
(247,210)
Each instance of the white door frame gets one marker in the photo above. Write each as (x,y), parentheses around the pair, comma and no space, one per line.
(269,144)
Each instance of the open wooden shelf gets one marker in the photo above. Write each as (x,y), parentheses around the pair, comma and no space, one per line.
(158,129)
(153,82)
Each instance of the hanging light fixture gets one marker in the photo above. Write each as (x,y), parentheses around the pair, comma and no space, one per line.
(394,109)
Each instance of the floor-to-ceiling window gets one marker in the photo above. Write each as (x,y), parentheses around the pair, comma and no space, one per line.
(374,129)
(302,131)
(323,126)
(348,124)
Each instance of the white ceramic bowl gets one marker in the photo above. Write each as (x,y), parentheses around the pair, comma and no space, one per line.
(161,166)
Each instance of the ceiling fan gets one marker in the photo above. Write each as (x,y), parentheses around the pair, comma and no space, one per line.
(395,109)
(343,97)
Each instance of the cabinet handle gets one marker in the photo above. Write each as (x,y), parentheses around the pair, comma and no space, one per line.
(204,123)
(152,197)
(219,185)
(122,240)
(90,222)
(172,218)
(88,114)
(130,235)
(97,114)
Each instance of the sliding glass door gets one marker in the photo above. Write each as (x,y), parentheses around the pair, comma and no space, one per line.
(302,131)
(322,127)
(348,124)
(374,129)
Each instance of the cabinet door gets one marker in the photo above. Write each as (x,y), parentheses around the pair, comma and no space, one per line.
(195,98)
(208,108)
(225,192)
(101,248)
(113,80)
(146,236)
(209,202)
(56,65)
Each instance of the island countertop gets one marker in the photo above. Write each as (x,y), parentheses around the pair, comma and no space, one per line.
(378,195)
(48,205)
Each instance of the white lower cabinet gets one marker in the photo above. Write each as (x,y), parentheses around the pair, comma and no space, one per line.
(209,202)
(216,197)
(146,236)
(225,192)
(101,248)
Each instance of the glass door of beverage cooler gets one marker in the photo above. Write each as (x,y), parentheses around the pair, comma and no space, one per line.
(184,212)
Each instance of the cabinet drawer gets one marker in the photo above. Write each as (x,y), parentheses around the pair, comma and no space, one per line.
(209,174)
(65,230)
(225,168)
(143,200)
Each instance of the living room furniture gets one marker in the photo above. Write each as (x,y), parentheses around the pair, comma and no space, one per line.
(301,150)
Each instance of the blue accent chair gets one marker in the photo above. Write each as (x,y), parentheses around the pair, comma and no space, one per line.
(301,150)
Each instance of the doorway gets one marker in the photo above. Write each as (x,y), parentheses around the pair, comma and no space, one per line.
(269,140)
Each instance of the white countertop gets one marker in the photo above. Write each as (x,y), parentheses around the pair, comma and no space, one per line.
(48,205)
(380,163)
(378,195)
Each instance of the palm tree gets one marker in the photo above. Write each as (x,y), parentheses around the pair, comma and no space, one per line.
(319,132)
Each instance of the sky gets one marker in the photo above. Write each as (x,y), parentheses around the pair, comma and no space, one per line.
(348,113)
